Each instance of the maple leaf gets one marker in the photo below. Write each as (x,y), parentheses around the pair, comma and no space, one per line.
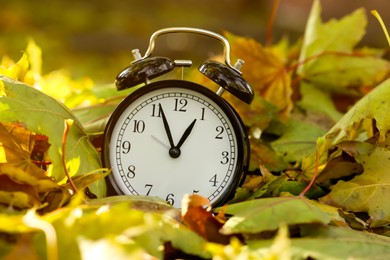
(265,71)
(22,181)
(16,146)
(329,64)
(328,57)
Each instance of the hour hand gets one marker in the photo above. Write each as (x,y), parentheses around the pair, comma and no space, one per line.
(166,127)
(185,134)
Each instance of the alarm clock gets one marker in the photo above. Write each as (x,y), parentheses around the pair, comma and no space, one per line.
(174,137)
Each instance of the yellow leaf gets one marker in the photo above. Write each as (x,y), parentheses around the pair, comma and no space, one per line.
(368,191)
(2,89)
(41,182)
(15,71)
(16,199)
(34,55)
(265,71)
(60,85)
(16,146)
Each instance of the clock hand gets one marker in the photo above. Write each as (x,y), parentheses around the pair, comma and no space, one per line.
(166,127)
(174,151)
(185,134)
(160,142)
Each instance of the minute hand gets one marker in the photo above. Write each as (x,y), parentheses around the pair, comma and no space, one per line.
(166,127)
(186,133)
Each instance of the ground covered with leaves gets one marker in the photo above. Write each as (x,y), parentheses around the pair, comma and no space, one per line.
(319,175)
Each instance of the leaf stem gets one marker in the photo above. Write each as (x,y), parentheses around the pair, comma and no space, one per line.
(325,53)
(302,194)
(67,126)
(380,20)
(270,23)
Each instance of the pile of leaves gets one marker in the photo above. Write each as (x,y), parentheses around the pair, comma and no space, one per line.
(318,182)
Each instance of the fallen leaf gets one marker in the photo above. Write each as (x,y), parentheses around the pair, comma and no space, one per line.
(267,214)
(201,220)
(339,167)
(329,242)
(367,113)
(314,100)
(16,194)
(330,65)
(298,140)
(367,192)
(16,71)
(328,57)
(263,154)
(16,148)
(265,72)
(45,115)
(22,181)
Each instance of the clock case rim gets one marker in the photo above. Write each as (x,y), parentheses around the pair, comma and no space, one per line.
(243,146)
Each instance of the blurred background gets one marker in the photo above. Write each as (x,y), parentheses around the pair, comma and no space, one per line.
(95,38)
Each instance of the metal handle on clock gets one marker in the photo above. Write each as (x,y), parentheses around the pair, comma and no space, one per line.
(214,35)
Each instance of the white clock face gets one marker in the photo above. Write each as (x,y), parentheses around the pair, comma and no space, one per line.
(170,142)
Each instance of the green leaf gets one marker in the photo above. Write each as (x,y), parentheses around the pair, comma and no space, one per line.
(333,243)
(95,117)
(367,192)
(298,140)
(318,102)
(328,56)
(262,152)
(269,213)
(335,35)
(43,114)
(369,112)
(183,238)
(339,73)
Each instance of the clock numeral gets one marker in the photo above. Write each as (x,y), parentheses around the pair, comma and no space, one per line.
(225,158)
(149,187)
(220,131)
(180,105)
(195,191)
(131,173)
(139,126)
(214,181)
(169,199)
(202,116)
(156,111)
(126,146)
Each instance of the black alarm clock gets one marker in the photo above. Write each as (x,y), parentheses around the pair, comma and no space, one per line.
(174,137)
